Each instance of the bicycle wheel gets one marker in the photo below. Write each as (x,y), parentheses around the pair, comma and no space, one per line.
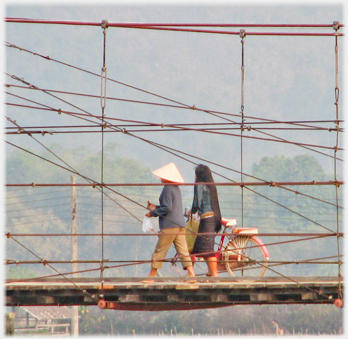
(243,257)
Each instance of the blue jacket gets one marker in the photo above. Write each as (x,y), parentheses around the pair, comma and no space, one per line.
(201,202)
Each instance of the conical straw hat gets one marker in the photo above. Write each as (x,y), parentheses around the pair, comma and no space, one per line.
(169,172)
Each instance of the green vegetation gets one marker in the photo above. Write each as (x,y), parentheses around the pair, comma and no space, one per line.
(234,320)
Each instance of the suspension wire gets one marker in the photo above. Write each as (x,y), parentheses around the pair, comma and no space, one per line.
(48,93)
(171,151)
(146,184)
(95,74)
(264,139)
(174,128)
(282,234)
(288,209)
(165,260)
(182,105)
(117,127)
(136,124)
(337,92)
(187,106)
(47,108)
(279,140)
(314,261)
(242,35)
(170,260)
(44,262)
(162,147)
(169,27)
(209,112)
(56,97)
(167,149)
(262,121)
(47,149)
(104,26)
(134,24)
(91,181)
(82,271)
(74,171)
(132,87)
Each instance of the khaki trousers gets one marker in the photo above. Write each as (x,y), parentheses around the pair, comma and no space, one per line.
(167,237)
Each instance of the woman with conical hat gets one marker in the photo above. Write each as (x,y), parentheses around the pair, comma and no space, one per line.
(171,220)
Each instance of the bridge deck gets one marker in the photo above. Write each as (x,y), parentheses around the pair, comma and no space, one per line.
(173,293)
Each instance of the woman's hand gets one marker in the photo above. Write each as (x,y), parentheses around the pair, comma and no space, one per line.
(187,212)
(148,214)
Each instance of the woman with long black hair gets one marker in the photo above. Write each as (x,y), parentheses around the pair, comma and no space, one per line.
(206,203)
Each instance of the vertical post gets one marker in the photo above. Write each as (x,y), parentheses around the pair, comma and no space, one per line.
(75,309)
(336,27)
(242,35)
(103,77)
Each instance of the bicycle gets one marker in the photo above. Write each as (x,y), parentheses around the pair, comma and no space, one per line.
(240,252)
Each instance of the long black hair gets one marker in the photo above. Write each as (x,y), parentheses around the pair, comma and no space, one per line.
(203,174)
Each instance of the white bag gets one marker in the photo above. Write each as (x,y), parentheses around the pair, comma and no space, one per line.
(147,225)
